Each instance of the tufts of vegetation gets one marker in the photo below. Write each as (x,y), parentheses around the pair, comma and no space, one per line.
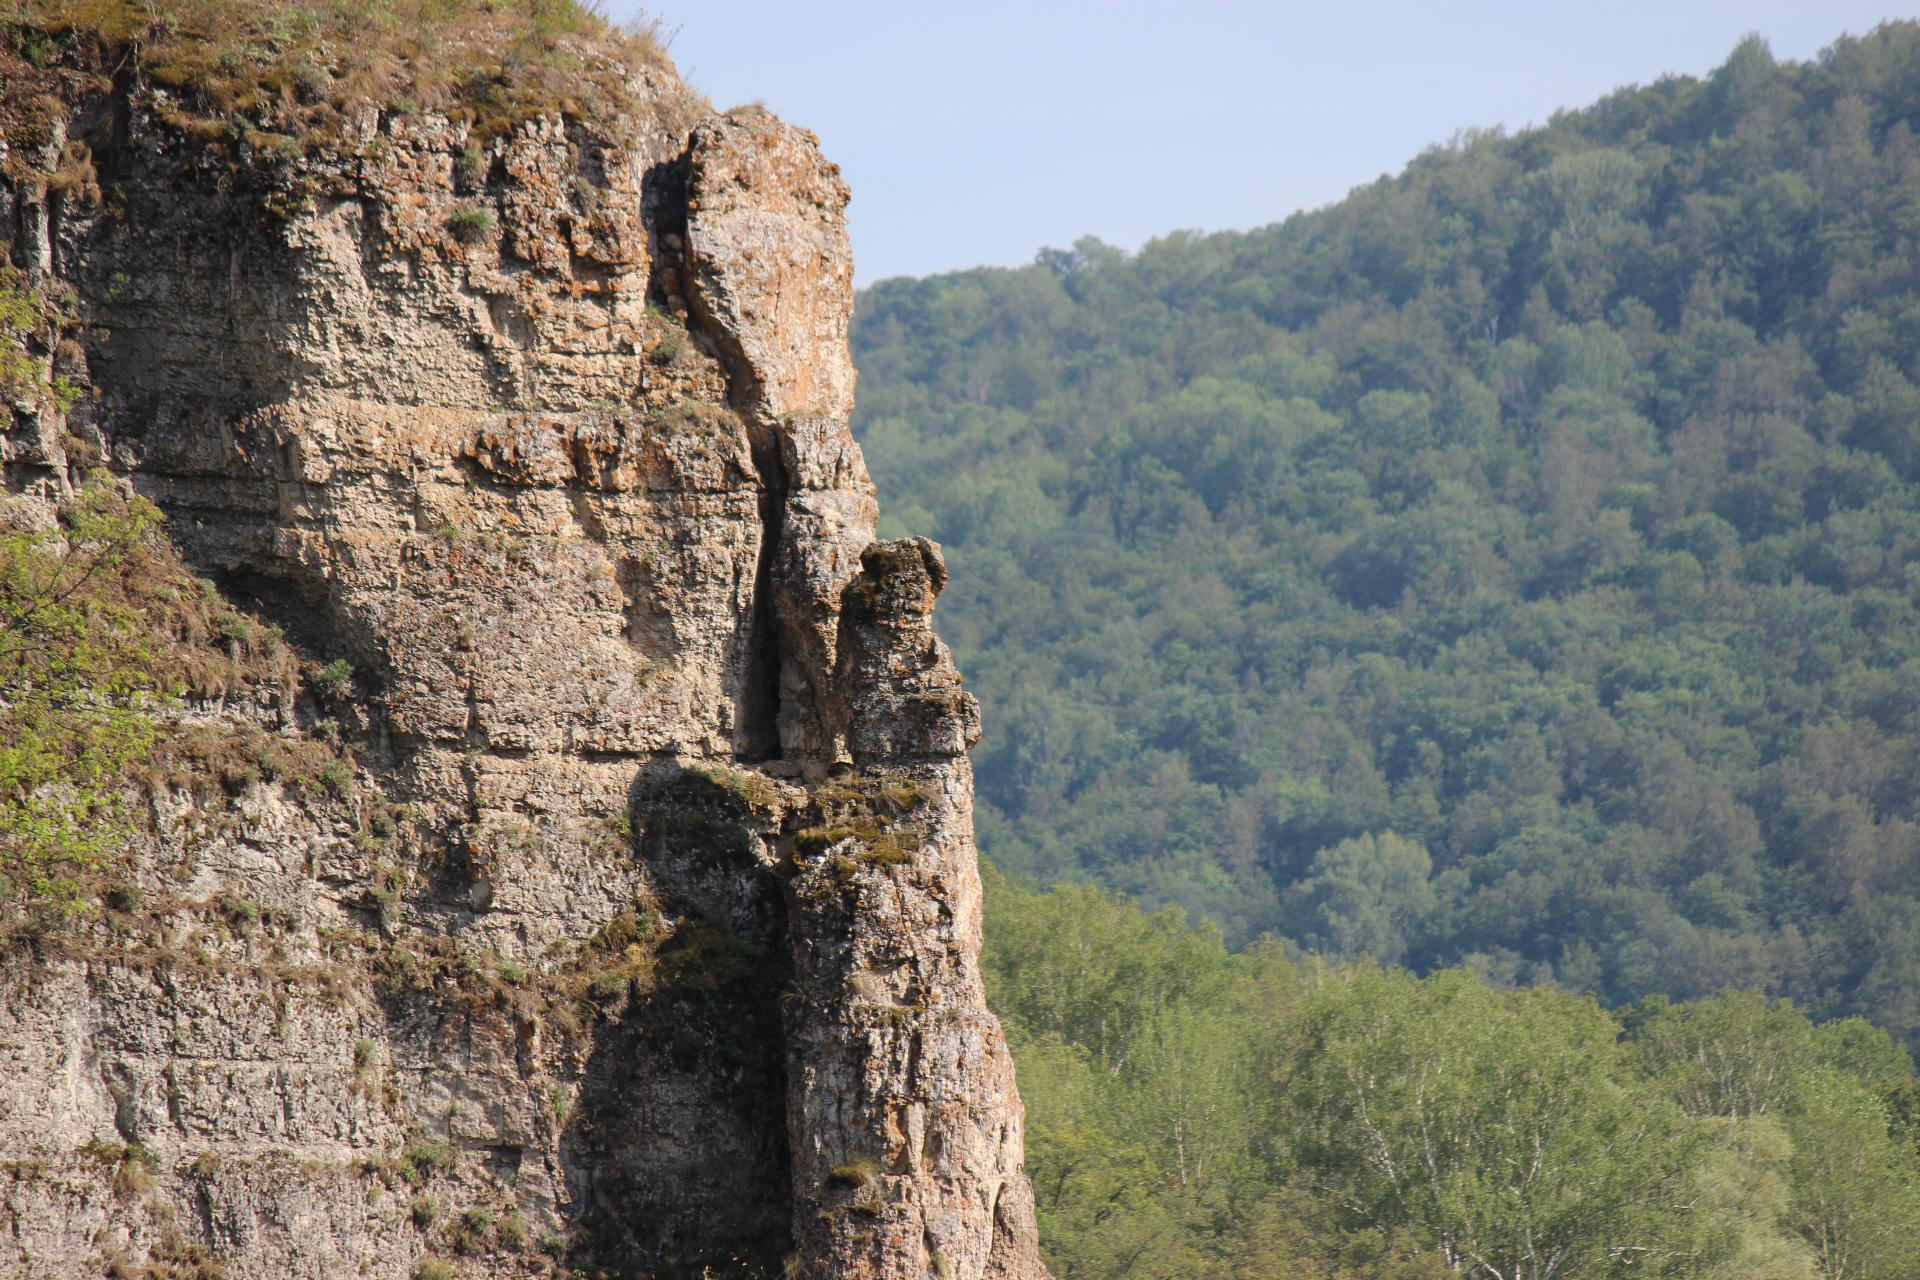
(671,347)
(625,929)
(101,631)
(863,813)
(473,1231)
(133,1178)
(887,850)
(618,960)
(470,169)
(707,960)
(240,912)
(698,418)
(384,890)
(673,342)
(336,776)
(212,760)
(711,812)
(422,1159)
(425,963)
(125,896)
(878,845)
(334,680)
(611,834)
(33,324)
(882,793)
(470,222)
(858,1172)
(174,1256)
(756,789)
(76,177)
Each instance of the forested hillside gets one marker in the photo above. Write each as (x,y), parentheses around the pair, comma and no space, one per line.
(1512,566)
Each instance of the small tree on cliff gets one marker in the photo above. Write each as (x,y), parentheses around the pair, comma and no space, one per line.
(74,693)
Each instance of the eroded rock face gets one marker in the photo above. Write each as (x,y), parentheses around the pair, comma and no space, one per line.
(769,262)
(650,921)
(905,1124)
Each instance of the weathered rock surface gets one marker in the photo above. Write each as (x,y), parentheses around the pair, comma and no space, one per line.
(645,939)
(906,1128)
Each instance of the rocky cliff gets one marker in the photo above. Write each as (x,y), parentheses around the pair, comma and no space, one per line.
(633,928)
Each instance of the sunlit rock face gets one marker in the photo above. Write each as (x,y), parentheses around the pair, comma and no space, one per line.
(644,937)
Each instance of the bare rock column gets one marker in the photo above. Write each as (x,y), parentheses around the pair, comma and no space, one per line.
(905,1125)
(536,439)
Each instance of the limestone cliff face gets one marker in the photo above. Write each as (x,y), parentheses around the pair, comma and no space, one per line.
(645,938)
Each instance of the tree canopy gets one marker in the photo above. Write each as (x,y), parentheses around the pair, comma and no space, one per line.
(1195,1112)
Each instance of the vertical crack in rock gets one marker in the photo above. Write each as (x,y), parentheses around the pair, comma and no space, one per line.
(771,282)
(757,736)
(904,1123)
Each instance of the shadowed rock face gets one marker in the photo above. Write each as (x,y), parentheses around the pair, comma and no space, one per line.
(667,948)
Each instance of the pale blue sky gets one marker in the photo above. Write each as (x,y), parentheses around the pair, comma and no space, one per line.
(981,132)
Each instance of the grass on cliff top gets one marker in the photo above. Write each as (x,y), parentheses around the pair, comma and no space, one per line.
(291,68)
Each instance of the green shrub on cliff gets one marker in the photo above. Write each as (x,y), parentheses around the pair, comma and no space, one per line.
(102,630)
(75,693)
(31,325)
(470,222)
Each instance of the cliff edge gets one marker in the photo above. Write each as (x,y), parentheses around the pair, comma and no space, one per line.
(630,924)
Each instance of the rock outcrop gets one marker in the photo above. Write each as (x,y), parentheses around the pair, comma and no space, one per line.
(643,937)
(908,1156)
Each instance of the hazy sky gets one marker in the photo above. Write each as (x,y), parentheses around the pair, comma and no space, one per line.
(981,132)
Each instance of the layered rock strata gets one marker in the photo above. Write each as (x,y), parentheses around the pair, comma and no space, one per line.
(645,937)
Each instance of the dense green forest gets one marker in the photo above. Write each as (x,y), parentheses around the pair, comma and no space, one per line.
(1515,566)
(1196,1113)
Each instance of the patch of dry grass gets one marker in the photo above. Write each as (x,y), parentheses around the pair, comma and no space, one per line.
(283,73)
